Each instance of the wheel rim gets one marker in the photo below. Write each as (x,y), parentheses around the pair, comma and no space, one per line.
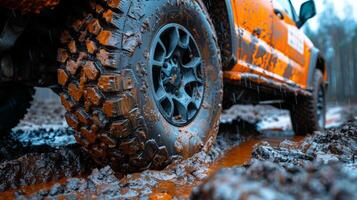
(177,74)
(321,107)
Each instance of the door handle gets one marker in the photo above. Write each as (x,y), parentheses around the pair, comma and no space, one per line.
(279,13)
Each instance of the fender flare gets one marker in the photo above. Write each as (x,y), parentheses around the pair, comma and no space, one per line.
(234,36)
(313,65)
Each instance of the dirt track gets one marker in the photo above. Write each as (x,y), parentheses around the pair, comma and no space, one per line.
(323,166)
(50,164)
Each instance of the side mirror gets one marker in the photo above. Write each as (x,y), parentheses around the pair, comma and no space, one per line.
(307,11)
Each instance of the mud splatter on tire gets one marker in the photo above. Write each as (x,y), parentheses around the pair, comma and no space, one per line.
(103,73)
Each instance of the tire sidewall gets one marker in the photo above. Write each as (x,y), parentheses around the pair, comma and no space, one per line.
(188,139)
(318,84)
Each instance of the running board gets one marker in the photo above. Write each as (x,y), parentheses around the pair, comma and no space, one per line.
(255,81)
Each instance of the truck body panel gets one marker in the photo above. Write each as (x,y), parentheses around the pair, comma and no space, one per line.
(25,6)
(271,46)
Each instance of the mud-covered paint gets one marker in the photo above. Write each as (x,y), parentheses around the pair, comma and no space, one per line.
(26,6)
(250,78)
(269,46)
(288,71)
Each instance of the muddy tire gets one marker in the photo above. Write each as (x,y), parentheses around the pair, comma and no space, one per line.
(309,113)
(110,77)
(14,103)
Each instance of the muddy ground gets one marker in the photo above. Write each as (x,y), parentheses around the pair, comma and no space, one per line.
(40,159)
(323,166)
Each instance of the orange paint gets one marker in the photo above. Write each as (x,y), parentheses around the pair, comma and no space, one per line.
(270,45)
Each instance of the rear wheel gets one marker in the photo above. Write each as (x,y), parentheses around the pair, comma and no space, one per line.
(142,81)
(14,102)
(309,113)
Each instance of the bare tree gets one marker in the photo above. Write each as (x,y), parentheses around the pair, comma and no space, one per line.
(337,40)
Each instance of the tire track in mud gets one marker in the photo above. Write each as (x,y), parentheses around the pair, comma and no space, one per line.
(58,162)
(182,190)
(70,161)
(41,164)
(322,166)
(104,183)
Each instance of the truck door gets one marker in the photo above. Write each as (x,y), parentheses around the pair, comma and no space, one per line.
(254,26)
(288,43)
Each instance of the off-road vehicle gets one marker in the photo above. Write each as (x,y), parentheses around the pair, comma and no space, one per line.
(142,80)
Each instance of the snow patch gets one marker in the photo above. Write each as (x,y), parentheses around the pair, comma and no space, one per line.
(334,117)
(54,135)
(276,123)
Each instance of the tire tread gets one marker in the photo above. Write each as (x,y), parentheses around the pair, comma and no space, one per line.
(99,94)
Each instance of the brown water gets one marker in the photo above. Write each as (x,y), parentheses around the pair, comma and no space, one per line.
(28,190)
(237,156)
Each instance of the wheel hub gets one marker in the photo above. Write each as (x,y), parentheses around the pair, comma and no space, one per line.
(173,79)
(177,76)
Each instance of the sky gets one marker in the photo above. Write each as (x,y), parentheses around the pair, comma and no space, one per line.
(339,6)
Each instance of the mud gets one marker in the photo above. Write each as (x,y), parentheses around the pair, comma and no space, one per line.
(104,183)
(41,149)
(41,167)
(323,147)
(35,144)
(44,124)
(41,160)
(269,180)
(322,166)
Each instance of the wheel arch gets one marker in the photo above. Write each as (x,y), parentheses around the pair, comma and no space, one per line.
(317,61)
(222,17)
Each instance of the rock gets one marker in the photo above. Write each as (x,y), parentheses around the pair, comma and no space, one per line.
(322,166)
(36,167)
(269,180)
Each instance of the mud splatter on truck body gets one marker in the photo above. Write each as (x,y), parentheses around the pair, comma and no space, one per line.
(272,46)
(29,5)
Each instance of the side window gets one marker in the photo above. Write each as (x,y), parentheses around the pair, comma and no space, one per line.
(285,5)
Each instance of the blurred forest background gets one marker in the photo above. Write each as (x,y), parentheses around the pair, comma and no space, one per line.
(336,37)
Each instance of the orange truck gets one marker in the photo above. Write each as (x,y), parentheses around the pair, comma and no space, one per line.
(145,81)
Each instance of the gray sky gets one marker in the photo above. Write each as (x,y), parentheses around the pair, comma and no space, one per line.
(339,6)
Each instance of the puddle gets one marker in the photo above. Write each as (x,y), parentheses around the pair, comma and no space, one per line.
(175,182)
(237,156)
(28,190)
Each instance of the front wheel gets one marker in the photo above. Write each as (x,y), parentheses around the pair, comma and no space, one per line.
(309,113)
(142,81)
